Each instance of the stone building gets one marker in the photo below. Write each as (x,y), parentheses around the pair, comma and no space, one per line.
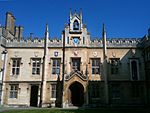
(73,70)
(146,55)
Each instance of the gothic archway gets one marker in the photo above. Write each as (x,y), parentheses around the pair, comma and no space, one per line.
(76,94)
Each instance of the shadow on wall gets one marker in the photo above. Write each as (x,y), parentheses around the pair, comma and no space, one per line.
(126,84)
(58,92)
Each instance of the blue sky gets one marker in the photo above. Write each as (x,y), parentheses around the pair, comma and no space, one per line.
(122,18)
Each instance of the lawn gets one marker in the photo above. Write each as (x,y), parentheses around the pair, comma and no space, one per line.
(102,110)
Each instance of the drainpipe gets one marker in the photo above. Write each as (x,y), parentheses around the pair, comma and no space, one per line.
(3,74)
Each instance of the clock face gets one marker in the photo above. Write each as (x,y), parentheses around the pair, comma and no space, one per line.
(76,41)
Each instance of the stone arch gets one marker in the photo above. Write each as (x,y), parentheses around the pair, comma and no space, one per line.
(76,94)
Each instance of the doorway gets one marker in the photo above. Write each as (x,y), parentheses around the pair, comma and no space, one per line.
(76,94)
(34,95)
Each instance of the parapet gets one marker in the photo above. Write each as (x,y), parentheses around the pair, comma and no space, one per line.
(32,43)
(117,42)
(96,43)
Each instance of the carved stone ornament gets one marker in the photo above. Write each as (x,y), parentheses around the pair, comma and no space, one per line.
(133,51)
(75,52)
(113,54)
(55,53)
(95,54)
(16,53)
(36,54)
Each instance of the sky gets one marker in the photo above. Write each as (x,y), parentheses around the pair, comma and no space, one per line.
(122,18)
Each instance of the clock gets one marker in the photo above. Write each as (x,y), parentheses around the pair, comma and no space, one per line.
(75,41)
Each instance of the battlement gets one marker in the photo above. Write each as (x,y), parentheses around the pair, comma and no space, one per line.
(117,42)
(32,43)
(114,42)
(57,42)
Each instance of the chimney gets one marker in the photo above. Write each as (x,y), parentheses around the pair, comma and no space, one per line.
(10,23)
(16,31)
(31,35)
(20,32)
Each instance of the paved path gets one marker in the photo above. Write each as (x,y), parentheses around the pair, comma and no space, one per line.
(2,109)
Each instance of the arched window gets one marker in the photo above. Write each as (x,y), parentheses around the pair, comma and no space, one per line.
(76,25)
(134,70)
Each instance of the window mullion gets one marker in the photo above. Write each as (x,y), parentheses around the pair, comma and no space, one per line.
(36,66)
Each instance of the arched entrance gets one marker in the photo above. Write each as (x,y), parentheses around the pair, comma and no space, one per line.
(76,94)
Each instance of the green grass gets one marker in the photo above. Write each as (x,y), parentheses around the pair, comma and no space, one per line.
(103,110)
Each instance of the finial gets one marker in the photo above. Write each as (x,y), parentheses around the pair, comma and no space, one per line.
(80,12)
(46,31)
(75,11)
(104,30)
(46,27)
(70,12)
(46,40)
(104,42)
